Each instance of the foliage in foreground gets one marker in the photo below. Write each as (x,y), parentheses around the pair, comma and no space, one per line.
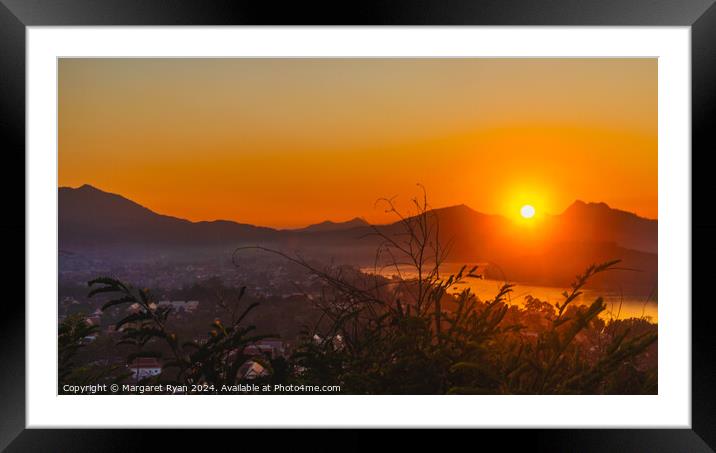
(480,347)
(73,334)
(215,360)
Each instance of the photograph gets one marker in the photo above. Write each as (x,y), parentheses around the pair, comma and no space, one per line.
(357,226)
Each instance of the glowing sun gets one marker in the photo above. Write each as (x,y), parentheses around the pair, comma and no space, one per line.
(527,211)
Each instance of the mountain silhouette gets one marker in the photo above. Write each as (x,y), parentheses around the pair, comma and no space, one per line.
(597,222)
(557,249)
(91,217)
(553,253)
(328,225)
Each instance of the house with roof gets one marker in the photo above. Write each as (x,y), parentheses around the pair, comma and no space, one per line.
(251,370)
(144,367)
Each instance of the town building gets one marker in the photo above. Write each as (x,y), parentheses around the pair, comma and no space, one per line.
(144,367)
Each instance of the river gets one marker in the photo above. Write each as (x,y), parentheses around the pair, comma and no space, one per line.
(619,306)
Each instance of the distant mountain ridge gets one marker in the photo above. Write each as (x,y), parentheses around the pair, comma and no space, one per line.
(329,225)
(87,213)
(89,217)
(91,220)
(599,222)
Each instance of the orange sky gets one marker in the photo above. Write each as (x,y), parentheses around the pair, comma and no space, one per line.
(288,142)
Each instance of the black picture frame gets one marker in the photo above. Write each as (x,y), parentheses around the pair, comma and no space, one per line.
(699,15)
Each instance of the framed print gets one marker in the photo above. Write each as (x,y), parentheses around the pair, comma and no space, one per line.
(469,223)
